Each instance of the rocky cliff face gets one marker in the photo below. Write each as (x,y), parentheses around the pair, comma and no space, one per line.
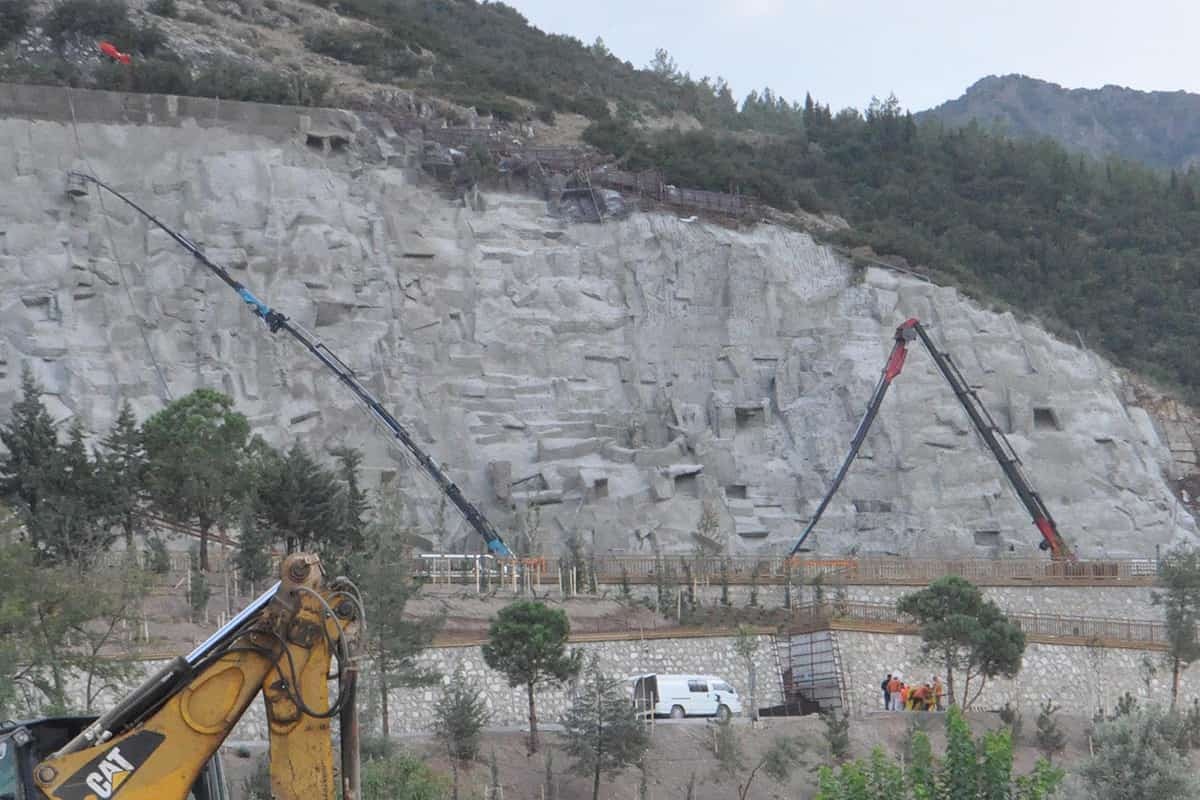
(608,382)
(1158,128)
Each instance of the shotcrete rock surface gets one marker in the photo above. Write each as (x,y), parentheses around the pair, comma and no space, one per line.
(606,382)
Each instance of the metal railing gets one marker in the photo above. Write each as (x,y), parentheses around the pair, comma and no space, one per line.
(1040,627)
(767,570)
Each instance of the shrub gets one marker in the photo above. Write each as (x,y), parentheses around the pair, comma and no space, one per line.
(385,55)
(257,785)
(401,777)
(231,80)
(157,559)
(163,8)
(91,17)
(15,16)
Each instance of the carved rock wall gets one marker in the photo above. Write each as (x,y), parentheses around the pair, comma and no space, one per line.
(609,382)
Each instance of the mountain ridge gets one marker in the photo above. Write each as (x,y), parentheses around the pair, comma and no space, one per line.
(1159,128)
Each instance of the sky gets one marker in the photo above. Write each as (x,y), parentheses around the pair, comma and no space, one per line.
(925,51)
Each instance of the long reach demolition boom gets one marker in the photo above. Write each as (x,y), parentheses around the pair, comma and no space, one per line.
(991,434)
(276,321)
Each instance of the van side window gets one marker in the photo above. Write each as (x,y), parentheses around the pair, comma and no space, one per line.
(698,686)
(723,687)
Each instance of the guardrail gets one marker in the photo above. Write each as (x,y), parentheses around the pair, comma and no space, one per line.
(778,570)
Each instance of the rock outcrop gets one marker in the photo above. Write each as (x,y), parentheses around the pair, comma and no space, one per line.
(643,385)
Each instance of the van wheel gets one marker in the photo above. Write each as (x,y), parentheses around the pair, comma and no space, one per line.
(723,713)
(677,712)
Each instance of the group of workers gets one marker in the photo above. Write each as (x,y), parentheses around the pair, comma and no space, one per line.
(900,696)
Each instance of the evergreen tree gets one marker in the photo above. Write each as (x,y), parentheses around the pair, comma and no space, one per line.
(1179,577)
(71,521)
(1138,756)
(122,470)
(602,729)
(354,505)
(300,502)
(393,641)
(253,556)
(528,643)
(32,445)
(197,456)
(459,717)
(961,630)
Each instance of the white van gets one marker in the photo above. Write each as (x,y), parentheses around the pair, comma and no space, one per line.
(679,696)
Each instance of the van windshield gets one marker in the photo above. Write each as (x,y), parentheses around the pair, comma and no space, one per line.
(721,686)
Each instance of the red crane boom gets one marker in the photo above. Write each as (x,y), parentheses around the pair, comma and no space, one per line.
(991,434)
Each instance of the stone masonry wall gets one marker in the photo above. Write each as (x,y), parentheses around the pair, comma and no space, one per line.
(412,709)
(1080,679)
(1115,602)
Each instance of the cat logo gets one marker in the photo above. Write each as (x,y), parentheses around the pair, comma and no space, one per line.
(103,777)
(109,775)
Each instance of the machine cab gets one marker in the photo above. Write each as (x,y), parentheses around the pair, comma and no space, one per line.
(24,744)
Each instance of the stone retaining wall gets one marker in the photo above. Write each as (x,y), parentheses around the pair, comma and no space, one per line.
(1080,679)
(412,709)
(1116,602)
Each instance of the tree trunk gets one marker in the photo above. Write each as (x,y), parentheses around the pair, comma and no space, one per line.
(383,701)
(205,524)
(950,678)
(454,772)
(1176,674)
(533,740)
(596,782)
(753,680)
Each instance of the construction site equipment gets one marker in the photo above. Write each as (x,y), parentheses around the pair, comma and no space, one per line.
(276,321)
(984,425)
(160,741)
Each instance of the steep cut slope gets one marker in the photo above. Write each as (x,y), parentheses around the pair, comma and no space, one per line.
(1158,128)
(617,377)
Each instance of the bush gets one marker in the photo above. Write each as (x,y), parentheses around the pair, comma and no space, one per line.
(401,777)
(257,785)
(386,56)
(15,16)
(90,17)
(231,80)
(163,8)
(157,559)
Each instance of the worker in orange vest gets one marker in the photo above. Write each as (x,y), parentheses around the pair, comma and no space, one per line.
(938,691)
(894,691)
(904,697)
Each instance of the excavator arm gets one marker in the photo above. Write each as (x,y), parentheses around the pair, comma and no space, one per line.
(983,422)
(154,744)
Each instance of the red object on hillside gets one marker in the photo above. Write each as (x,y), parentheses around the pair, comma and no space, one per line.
(110,50)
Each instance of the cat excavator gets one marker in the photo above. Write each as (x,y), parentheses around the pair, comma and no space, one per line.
(160,742)
(983,422)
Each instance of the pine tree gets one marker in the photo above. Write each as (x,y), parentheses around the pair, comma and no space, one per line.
(393,640)
(32,446)
(71,522)
(354,505)
(122,470)
(459,717)
(197,448)
(602,729)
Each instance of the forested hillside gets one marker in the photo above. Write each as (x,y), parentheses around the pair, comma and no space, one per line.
(1105,248)
(1157,128)
(1109,249)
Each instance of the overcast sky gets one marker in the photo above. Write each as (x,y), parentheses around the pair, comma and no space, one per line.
(926,51)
